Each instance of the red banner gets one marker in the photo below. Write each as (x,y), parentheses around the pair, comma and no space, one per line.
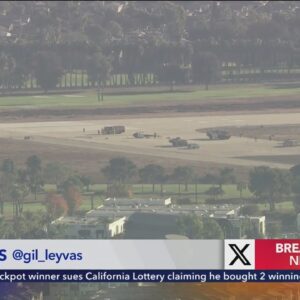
(277,254)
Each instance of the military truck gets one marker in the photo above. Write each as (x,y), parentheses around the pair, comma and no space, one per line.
(193,146)
(113,129)
(178,142)
(217,134)
(290,143)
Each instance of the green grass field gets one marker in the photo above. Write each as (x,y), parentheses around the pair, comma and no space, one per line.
(35,207)
(284,207)
(198,94)
(139,191)
(173,189)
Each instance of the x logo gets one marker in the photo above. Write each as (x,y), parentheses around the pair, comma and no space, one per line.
(239,254)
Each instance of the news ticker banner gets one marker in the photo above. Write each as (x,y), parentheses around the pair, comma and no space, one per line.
(150,261)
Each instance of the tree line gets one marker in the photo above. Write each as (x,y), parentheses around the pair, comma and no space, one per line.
(266,184)
(177,42)
(18,184)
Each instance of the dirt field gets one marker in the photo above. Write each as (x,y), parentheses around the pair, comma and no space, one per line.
(285,159)
(89,148)
(275,132)
(91,161)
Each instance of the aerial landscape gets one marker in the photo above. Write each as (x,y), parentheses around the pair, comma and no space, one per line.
(149,120)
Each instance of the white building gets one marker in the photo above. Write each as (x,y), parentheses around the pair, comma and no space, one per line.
(92,228)
(137,202)
(259,224)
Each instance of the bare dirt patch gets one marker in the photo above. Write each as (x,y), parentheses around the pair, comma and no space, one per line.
(285,159)
(267,132)
(87,142)
(91,161)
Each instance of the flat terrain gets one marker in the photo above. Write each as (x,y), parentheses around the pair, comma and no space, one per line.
(147,102)
(275,132)
(283,159)
(55,125)
(149,95)
(70,134)
(90,161)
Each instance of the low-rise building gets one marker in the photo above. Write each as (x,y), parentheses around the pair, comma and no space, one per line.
(101,227)
(137,202)
(156,218)
(259,223)
(242,226)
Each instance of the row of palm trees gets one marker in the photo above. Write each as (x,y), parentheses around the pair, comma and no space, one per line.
(18,184)
(266,184)
(122,170)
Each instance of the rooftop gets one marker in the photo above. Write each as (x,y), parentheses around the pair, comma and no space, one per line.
(173,209)
(137,202)
(90,220)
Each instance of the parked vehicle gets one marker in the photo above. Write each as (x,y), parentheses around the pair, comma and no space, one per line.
(113,129)
(193,146)
(290,143)
(178,142)
(217,134)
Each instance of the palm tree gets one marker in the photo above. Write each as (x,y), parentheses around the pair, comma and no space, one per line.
(196,181)
(270,184)
(7,181)
(215,192)
(86,181)
(183,175)
(34,172)
(7,70)
(56,173)
(18,194)
(47,69)
(226,176)
(119,170)
(98,69)
(8,166)
(152,174)
(241,186)
(205,68)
